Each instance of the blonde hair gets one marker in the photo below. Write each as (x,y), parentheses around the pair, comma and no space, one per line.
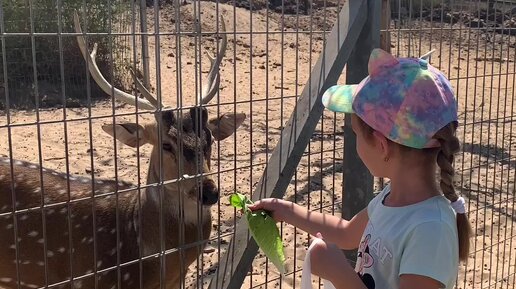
(445,157)
(449,146)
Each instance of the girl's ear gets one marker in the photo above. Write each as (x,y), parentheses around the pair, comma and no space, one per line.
(382,144)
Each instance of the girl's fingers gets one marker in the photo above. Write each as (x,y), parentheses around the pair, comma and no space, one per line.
(257,205)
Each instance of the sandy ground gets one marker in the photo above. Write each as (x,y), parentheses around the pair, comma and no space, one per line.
(265,73)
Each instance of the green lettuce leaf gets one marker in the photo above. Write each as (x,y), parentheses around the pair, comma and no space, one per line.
(263,229)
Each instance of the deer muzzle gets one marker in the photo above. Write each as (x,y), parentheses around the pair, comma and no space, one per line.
(210,192)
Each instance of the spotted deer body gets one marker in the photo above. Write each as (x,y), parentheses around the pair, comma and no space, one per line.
(82,233)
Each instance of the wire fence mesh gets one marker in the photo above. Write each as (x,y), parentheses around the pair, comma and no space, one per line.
(272,47)
(476,47)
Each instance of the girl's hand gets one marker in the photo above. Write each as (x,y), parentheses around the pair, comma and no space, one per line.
(278,208)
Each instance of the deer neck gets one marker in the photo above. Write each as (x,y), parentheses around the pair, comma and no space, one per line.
(177,205)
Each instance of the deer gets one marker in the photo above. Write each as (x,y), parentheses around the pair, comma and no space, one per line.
(70,231)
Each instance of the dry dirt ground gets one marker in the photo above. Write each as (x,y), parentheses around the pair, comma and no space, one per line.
(264,73)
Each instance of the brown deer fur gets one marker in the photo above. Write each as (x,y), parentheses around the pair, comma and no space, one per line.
(121,213)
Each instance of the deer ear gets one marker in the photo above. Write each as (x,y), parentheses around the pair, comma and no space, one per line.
(130,134)
(225,125)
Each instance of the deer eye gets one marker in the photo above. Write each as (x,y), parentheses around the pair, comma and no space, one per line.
(167,147)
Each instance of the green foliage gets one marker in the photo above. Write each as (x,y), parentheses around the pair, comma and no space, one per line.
(40,57)
(263,229)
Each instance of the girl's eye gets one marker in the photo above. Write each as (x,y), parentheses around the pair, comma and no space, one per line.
(167,147)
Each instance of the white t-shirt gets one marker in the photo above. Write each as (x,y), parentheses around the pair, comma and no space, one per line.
(416,239)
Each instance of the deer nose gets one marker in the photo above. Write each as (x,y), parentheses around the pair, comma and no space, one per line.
(210,193)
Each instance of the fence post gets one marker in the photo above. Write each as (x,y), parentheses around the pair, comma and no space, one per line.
(145,43)
(234,265)
(357,181)
(385,36)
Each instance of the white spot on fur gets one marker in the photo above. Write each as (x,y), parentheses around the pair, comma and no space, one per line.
(37,190)
(85,180)
(77,226)
(2,177)
(55,173)
(99,263)
(112,287)
(113,252)
(78,284)
(99,182)
(85,217)
(61,250)
(90,240)
(6,161)
(33,166)
(26,262)
(41,241)
(73,178)
(127,276)
(40,263)
(62,192)
(9,226)
(6,280)
(18,163)
(51,211)
(12,247)
(113,231)
(29,285)
(50,254)
(83,240)
(24,217)
(32,233)
(63,211)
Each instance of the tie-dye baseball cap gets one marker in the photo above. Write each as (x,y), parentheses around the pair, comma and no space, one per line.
(405,99)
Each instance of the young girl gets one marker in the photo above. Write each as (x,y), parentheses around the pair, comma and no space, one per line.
(412,234)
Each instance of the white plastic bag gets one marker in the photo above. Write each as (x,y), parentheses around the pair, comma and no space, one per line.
(306,275)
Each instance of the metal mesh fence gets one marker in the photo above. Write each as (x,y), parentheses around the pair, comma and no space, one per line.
(272,47)
(475,47)
(43,68)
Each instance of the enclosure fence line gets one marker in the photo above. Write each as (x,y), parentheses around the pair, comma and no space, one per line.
(354,35)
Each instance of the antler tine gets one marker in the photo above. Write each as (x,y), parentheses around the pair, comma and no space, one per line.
(213,80)
(143,90)
(99,78)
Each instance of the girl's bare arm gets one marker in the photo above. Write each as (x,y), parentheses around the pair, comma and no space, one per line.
(343,233)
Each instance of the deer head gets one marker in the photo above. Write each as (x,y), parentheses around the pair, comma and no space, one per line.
(183,141)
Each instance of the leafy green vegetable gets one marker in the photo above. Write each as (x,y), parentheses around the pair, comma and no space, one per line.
(263,229)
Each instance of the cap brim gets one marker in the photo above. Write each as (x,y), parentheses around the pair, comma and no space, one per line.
(339,98)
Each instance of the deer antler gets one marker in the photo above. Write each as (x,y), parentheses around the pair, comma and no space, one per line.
(143,90)
(213,81)
(99,78)
(151,102)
